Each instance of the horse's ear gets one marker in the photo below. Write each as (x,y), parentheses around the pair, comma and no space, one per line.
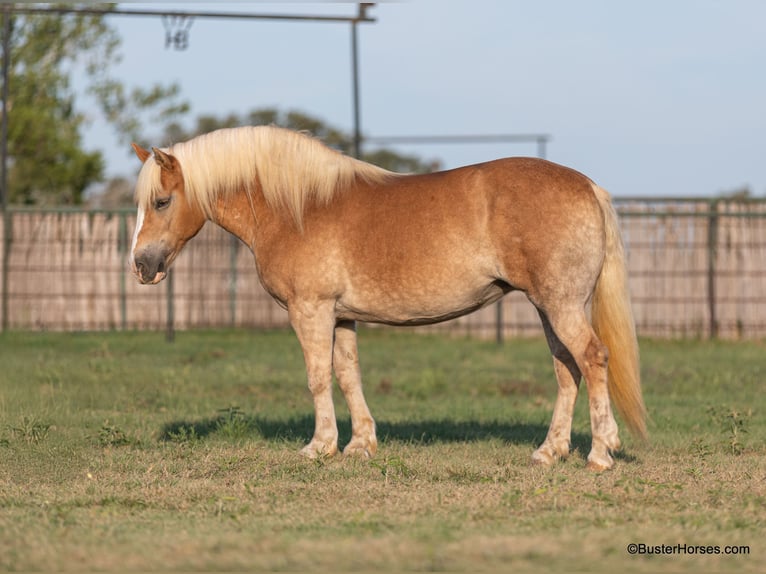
(164,160)
(142,154)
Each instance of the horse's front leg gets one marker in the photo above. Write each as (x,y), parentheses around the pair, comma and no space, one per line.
(346,365)
(314,324)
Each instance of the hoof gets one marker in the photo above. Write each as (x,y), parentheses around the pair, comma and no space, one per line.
(547,454)
(360,449)
(599,464)
(315,450)
(540,458)
(600,456)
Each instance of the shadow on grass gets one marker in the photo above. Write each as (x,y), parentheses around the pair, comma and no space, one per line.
(239,425)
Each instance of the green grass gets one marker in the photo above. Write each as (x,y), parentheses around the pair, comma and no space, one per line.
(119,451)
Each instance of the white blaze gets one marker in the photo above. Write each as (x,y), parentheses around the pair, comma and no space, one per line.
(139,225)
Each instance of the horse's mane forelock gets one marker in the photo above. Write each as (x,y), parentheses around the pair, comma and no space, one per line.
(292,168)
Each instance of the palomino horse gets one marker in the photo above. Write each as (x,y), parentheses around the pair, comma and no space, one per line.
(337,240)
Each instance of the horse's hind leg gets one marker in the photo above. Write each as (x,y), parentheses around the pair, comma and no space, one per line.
(574,331)
(346,366)
(558,440)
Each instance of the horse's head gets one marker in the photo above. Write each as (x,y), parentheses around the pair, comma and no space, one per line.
(166,220)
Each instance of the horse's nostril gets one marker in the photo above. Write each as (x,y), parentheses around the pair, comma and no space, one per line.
(144,274)
(148,263)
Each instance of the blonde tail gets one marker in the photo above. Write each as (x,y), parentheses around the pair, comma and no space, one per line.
(612,319)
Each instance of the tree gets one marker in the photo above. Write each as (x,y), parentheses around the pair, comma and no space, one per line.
(47,162)
(741,193)
(334,137)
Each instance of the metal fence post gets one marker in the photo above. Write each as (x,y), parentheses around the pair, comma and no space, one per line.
(170,332)
(234,242)
(7,237)
(499,335)
(4,195)
(122,248)
(712,252)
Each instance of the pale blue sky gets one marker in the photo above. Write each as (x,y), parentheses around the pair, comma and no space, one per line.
(649,98)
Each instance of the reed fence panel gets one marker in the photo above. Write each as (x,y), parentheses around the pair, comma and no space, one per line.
(697,268)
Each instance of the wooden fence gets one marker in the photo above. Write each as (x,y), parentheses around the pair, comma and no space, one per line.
(697,269)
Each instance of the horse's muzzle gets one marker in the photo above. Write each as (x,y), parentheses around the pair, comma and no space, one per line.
(150,266)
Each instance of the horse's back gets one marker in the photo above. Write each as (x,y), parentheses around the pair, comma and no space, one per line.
(430,247)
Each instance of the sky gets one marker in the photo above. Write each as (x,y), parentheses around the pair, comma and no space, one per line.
(647,98)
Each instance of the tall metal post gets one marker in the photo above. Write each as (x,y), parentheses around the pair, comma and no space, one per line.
(355,87)
(499,322)
(4,134)
(4,166)
(233,252)
(360,17)
(122,249)
(170,327)
(6,268)
(712,254)
(541,147)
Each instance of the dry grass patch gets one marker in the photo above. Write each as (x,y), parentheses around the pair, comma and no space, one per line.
(141,456)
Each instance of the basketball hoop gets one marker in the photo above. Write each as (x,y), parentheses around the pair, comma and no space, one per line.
(177,30)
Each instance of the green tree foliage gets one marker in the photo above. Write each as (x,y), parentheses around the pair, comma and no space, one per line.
(47,162)
(296,120)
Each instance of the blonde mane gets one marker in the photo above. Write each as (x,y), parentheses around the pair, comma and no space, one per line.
(292,168)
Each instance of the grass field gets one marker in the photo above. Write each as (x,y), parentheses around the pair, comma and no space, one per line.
(121,452)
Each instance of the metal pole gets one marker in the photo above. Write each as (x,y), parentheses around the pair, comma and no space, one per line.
(355,86)
(541,147)
(712,253)
(7,237)
(360,17)
(61,9)
(499,323)
(122,248)
(4,134)
(4,165)
(234,242)
(170,332)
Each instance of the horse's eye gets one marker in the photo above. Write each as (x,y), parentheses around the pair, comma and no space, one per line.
(161,203)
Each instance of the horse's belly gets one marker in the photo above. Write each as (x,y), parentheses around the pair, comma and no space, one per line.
(429,304)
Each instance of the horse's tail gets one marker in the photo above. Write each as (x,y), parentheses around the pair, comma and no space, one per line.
(612,320)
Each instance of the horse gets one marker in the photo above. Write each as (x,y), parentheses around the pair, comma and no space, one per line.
(338,241)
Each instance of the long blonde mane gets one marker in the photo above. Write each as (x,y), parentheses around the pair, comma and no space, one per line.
(292,168)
